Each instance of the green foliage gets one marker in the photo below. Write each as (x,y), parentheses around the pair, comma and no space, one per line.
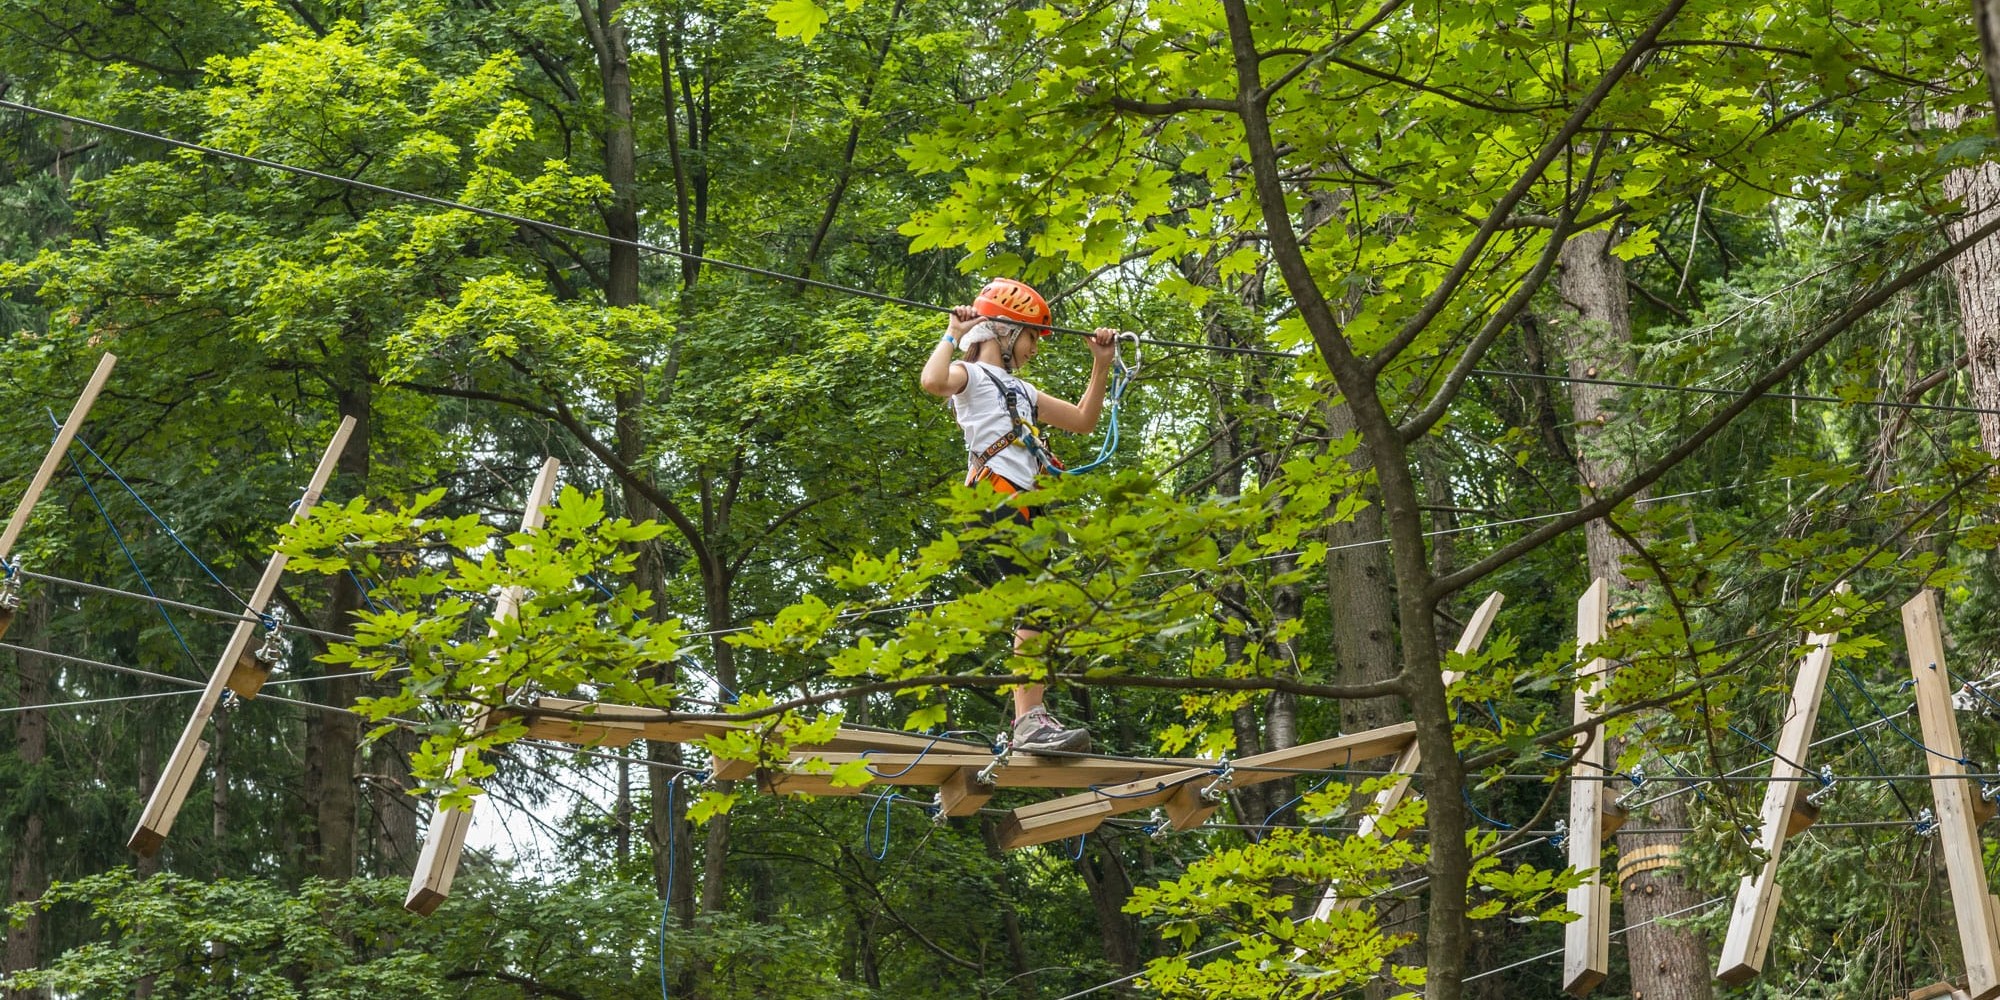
(560,636)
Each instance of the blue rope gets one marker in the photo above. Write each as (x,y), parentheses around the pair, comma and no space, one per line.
(1974,688)
(1109,445)
(161,521)
(920,759)
(1869,745)
(1081,840)
(888,816)
(1961,761)
(1488,820)
(362,586)
(1265,827)
(592,580)
(119,537)
(667,902)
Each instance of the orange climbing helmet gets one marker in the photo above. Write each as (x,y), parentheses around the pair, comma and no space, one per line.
(1005,298)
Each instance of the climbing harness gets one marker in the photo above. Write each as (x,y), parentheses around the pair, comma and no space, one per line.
(1028,434)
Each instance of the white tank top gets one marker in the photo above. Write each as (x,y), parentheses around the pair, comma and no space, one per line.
(981,409)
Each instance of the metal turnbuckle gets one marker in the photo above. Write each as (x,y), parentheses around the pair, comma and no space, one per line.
(1225,776)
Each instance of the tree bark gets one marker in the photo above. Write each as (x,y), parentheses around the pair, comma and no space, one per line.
(27,877)
(333,738)
(1667,963)
(1104,875)
(1976,273)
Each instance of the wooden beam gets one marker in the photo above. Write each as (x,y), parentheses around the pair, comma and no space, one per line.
(587,723)
(1971,901)
(1019,770)
(1412,758)
(437,862)
(963,793)
(58,448)
(1070,815)
(1587,940)
(1748,938)
(164,803)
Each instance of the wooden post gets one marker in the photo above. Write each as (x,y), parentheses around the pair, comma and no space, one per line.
(40,481)
(1748,939)
(437,862)
(1411,758)
(1978,934)
(1587,940)
(164,803)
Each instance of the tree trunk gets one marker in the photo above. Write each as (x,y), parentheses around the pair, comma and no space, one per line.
(218,764)
(395,811)
(1976,272)
(1010,918)
(1104,875)
(28,875)
(333,738)
(1667,963)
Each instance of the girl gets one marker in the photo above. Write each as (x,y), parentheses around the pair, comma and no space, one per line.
(1000,332)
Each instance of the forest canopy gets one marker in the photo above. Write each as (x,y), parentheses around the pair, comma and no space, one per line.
(641,533)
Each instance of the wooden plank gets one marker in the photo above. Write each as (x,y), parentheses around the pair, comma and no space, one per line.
(1587,940)
(162,805)
(1190,806)
(963,793)
(609,724)
(1747,941)
(1023,826)
(1971,901)
(58,449)
(1020,770)
(437,863)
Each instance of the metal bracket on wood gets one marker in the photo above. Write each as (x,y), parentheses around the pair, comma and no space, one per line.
(164,803)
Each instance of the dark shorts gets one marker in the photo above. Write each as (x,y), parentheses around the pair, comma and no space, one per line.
(990,566)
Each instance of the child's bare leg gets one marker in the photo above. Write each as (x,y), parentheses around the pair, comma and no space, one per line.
(1035,730)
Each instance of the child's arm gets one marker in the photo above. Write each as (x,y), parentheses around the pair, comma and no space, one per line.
(940,376)
(1081,417)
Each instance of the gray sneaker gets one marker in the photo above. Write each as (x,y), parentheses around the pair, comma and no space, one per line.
(1039,732)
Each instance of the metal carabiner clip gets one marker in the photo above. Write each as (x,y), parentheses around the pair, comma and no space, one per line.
(1118,352)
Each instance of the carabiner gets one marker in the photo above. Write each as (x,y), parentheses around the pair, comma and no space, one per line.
(1118,352)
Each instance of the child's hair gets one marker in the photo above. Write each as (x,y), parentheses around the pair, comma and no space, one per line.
(1002,333)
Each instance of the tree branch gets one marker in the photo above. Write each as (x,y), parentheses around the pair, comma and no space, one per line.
(1446,585)
(1448,287)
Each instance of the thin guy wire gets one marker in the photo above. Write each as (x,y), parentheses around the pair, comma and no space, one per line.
(552,227)
(1702,390)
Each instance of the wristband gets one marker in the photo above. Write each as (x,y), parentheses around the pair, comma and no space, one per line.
(952,339)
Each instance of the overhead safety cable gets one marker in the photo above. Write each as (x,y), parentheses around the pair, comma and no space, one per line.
(1703,390)
(558,228)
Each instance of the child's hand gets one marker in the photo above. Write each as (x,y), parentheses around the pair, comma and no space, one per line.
(963,318)
(1103,344)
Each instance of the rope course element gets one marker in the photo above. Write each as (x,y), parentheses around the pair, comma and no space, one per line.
(557,228)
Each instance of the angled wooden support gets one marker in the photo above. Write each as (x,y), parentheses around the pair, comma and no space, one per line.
(10,580)
(1071,815)
(1787,810)
(437,862)
(164,802)
(1971,901)
(1587,940)
(1412,758)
